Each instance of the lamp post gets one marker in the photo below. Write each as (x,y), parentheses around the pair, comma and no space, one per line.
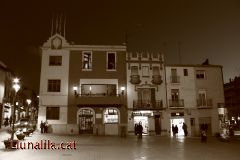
(28,102)
(16,87)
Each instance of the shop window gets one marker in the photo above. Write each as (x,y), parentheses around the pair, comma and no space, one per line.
(111,116)
(52,113)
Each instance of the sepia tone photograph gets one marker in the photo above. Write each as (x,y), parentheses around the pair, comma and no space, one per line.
(120,80)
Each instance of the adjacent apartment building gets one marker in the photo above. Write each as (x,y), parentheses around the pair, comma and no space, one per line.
(103,90)
(194,93)
(232,100)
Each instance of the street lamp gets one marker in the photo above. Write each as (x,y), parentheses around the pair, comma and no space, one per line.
(16,87)
(28,102)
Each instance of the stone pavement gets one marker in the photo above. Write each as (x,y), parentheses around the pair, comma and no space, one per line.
(130,148)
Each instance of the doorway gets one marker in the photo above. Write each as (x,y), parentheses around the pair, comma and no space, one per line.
(144,122)
(179,123)
(86,121)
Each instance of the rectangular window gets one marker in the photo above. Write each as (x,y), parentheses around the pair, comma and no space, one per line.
(52,113)
(145,71)
(134,55)
(175,94)
(134,70)
(111,61)
(156,71)
(55,60)
(202,95)
(200,74)
(87,60)
(185,72)
(54,85)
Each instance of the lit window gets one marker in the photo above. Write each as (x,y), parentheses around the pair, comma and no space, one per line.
(55,60)
(200,74)
(52,113)
(111,61)
(54,85)
(111,116)
(87,60)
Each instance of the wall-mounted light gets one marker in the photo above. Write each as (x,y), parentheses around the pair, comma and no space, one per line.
(122,90)
(75,88)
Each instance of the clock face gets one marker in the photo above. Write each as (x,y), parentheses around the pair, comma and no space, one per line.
(56,43)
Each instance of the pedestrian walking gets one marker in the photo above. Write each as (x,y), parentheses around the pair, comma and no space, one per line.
(45,127)
(42,126)
(6,122)
(10,121)
(184,127)
(176,130)
(140,130)
(173,130)
(136,128)
(204,129)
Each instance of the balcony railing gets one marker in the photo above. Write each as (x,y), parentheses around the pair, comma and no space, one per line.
(156,79)
(135,79)
(147,104)
(176,103)
(175,79)
(204,103)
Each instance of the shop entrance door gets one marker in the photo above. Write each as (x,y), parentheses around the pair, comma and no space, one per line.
(179,123)
(86,121)
(144,121)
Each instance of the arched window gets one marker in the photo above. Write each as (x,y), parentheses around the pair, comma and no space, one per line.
(111,115)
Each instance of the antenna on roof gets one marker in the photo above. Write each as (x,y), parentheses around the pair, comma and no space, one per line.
(64,25)
(179,51)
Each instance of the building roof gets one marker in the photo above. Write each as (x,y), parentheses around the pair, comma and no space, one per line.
(192,65)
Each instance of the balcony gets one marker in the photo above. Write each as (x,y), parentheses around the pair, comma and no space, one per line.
(147,105)
(135,79)
(176,104)
(175,79)
(204,103)
(99,100)
(157,79)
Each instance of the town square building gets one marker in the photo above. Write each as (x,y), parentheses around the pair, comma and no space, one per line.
(105,90)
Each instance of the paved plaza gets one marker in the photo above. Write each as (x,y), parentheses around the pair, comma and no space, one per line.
(130,148)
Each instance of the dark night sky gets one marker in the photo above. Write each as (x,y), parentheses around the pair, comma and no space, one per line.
(205,28)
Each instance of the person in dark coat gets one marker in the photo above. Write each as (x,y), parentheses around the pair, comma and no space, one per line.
(176,129)
(173,130)
(136,128)
(184,127)
(42,126)
(6,122)
(140,130)
(10,121)
(45,127)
